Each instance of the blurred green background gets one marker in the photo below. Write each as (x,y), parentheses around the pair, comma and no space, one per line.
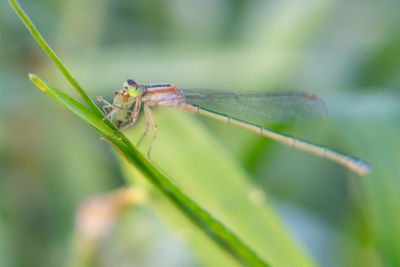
(346,52)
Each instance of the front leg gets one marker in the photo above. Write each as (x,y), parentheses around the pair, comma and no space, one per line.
(114,108)
(106,104)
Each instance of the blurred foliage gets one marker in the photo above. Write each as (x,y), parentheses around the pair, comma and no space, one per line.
(347,52)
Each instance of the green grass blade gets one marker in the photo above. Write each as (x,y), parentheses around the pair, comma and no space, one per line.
(80,110)
(380,198)
(35,33)
(215,229)
(226,191)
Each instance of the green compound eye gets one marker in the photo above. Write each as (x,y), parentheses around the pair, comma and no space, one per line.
(132,88)
(134,91)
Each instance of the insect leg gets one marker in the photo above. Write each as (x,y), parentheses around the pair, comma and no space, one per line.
(114,108)
(147,109)
(147,124)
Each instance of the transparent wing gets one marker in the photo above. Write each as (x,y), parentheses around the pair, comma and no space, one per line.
(259,107)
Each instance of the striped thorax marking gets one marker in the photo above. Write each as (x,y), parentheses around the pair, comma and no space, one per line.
(163,95)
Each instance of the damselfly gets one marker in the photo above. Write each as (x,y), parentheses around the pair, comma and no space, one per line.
(245,109)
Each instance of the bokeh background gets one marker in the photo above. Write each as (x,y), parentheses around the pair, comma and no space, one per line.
(346,52)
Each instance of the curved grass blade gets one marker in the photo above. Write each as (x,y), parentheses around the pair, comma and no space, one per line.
(80,110)
(226,191)
(35,33)
(211,226)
